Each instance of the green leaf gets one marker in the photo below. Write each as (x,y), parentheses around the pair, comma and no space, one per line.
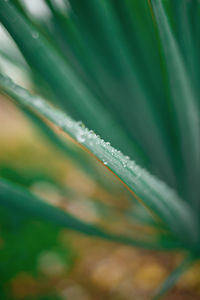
(67,86)
(115,48)
(184,105)
(175,275)
(79,158)
(20,200)
(153,193)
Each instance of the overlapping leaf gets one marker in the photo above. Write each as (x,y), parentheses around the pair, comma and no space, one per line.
(160,199)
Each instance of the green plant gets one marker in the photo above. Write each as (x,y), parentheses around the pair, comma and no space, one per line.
(128,70)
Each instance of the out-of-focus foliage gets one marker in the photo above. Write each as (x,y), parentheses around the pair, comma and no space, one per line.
(127,70)
(30,253)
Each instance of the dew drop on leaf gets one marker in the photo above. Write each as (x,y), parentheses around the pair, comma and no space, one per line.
(35,35)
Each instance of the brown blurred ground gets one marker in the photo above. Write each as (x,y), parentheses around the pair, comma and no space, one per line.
(102,270)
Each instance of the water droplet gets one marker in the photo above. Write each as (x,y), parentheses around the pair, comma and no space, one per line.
(80,123)
(80,137)
(124,163)
(35,35)
(105,162)
(69,123)
(38,102)
(61,122)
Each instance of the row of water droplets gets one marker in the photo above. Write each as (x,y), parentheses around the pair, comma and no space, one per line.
(83,134)
(141,180)
(93,141)
(103,150)
(138,178)
(112,157)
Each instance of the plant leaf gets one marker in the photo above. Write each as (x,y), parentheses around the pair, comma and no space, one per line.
(153,193)
(79,158)
(68,88)
(20,200)
(184,103)
(175,275)
(124,63)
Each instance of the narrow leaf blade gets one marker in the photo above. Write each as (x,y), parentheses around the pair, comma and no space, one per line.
(153,193)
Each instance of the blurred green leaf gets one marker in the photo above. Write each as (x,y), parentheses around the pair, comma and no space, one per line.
(163,201)
(16,198)
(174,276)
(184,105)
(129,71)
(71,92)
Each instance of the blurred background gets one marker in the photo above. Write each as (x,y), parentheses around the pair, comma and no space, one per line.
(41,261)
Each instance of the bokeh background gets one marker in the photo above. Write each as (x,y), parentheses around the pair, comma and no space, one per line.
(41,261)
